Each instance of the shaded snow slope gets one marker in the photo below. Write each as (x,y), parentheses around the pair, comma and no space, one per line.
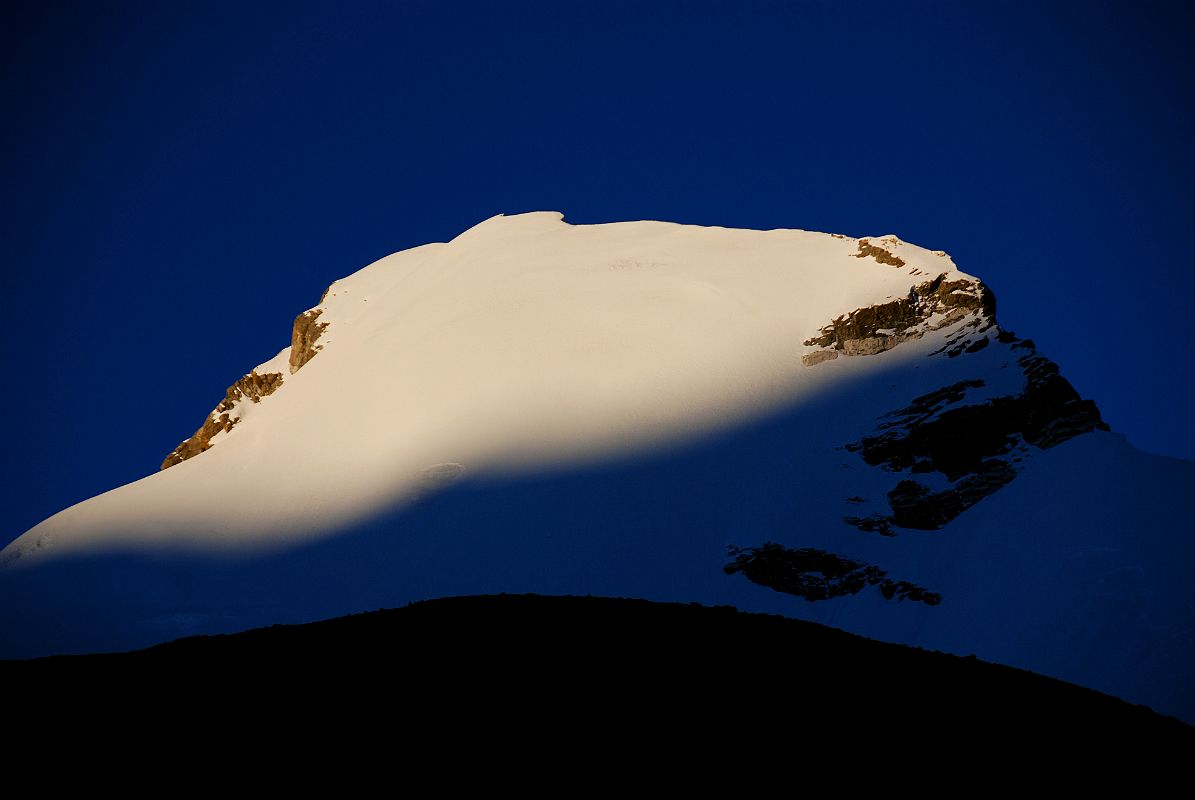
(606,409)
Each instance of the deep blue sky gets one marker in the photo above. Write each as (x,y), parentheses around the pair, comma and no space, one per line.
(180,179)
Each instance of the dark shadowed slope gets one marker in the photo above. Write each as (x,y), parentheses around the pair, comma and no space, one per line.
(537,657)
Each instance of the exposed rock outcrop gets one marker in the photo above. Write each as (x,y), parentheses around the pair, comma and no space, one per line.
(304,334)
(869,250)
(1053,411)
(916,506)
(252,387)
(970,444)
(303,338)
(966,443)
(929,306)
(818,575)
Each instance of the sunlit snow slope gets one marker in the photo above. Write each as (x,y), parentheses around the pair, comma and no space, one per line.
(614,407)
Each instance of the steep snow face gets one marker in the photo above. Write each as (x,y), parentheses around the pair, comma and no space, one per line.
(785,421)
(524,342)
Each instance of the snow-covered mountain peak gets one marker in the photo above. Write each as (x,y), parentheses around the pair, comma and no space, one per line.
(536,406)
(525,342)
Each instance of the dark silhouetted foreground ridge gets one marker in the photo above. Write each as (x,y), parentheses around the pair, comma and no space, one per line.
(575,657)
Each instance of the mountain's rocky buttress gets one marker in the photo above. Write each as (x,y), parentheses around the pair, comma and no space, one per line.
(972,447)
(252,387)
(975,446)
(929,306)
(307,330)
